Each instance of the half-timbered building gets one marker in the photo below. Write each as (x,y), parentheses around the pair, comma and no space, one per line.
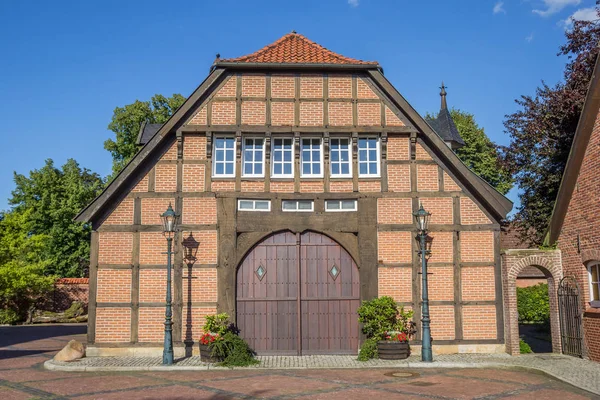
(296,170)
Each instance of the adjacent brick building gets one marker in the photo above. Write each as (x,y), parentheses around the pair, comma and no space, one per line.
(576,216)
(297,171)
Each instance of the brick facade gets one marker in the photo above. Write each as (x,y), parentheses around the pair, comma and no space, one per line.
(131,254)
(579,239)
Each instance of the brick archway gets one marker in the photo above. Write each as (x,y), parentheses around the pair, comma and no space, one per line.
(515,261)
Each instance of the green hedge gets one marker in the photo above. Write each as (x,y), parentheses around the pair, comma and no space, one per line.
(533,304)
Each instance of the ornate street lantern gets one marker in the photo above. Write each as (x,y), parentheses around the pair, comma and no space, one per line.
(170,219)
(424,242)
(422,219)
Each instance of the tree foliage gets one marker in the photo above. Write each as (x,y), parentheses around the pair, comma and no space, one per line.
(533,304)
(45,203)
(542,130)
(126,123)
(22,266)
(479,153)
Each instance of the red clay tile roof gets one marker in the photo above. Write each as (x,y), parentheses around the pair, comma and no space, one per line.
(294,48)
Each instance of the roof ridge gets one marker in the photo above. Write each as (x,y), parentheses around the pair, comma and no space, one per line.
(293,52)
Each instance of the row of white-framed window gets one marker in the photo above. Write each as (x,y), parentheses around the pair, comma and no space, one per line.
(297,205)
(282,157)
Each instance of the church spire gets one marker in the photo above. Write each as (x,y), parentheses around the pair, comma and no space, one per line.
(444,106)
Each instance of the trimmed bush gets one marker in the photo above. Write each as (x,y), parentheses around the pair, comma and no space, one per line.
(533,304)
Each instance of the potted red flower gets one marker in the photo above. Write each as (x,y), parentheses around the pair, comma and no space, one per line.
(394,346)
(205,350)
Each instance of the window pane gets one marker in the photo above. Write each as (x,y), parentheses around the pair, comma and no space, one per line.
(372,155)
(248,155)
(229,143)
(335,144)
(287,169)
(333,205)
(245,205)
(363,168)
(258,155)
(287,156)
(287,144)
(219,169)
(305,155)
(229,169)
(219,155)
(258,169)
(289,205)
(362,155)
(594,269)
(317,169)
(345,155)
(373,168)
(277,169)
(306,168)
(335,169)
(247,168)
(316,155)
(335,156)
(348,204)
(262,205)
(220,143)
(228,155)
(304,205)
(345,169)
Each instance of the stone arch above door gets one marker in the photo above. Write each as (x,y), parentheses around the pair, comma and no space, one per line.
(515,261)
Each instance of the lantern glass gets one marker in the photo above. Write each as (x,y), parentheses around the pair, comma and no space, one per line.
(428,243)
(422,219)
(170,219)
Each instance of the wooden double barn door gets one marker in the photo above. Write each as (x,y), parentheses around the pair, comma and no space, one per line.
(298,294)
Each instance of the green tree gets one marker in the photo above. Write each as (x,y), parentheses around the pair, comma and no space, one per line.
(479,153)
(22,266)
(542,130)
(48,200)
(126,122)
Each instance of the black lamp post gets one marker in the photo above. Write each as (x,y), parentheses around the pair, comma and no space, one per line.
(170,219)
(424,242)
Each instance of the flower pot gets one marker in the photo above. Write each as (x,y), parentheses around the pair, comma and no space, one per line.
(206,354)
(390,350)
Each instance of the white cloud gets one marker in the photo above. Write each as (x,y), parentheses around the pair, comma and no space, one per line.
(499,8)
(584,14)
(353,3)
(554,6)
(529,38)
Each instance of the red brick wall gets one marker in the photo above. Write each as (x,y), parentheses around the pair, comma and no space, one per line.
(395,247)
(582,218)
(479,322)
(113,324)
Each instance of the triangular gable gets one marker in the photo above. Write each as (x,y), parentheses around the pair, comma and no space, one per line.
(397,112)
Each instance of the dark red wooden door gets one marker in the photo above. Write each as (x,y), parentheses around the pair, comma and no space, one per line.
(298,294)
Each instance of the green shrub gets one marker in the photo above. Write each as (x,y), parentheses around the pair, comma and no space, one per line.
(533,304)
(378,317)
(368,350)
(227,345)
(9,317)
(524,347)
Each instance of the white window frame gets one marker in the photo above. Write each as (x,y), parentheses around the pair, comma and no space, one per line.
(311,175)
(312,206)
(339,162)
(273,151)
(254,209)
(254,152)
(355,208)
(593,301)
(378,149)
(214,157)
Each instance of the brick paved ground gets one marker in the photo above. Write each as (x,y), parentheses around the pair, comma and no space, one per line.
(23,350)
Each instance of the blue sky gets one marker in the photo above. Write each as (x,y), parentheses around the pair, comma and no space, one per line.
(66,65)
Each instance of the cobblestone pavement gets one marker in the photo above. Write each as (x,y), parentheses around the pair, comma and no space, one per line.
(23,351)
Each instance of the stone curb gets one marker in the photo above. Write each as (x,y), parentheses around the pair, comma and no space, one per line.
(51,365)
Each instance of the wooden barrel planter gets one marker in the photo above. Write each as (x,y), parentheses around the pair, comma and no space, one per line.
(393,350)
(206,354)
